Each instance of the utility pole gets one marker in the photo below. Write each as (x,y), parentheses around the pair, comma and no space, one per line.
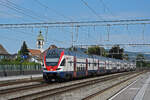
(72,37)
(46,34)
(108,31)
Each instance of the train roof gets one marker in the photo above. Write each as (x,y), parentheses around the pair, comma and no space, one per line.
(83,55)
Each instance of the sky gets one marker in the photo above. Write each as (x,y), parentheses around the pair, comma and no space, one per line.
(37,11)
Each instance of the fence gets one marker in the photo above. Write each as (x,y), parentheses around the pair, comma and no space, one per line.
(12,70)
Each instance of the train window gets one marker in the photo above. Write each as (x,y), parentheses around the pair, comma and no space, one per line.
(89,63)
(52,61)
(78,68)
(94,64)
(63,62)
(70,63)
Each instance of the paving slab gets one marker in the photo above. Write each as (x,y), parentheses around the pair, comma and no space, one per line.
(138,90)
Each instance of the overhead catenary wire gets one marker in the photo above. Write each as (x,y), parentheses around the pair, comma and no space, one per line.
(123,44)
(9,38)
(20,10)
(106,7)
(86,24)
(67,24)
(12,15)
(92,10)
(29,11)
(80,23)
(22,32)
(76,29)
(53,10)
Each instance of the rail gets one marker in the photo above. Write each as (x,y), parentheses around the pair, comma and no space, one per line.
(51,92)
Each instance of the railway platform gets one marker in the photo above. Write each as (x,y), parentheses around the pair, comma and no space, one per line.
(20,77)
(138,90)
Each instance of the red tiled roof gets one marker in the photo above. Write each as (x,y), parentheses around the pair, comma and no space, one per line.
(34,52)
(3,50)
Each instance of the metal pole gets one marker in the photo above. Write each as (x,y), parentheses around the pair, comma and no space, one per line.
(72,37)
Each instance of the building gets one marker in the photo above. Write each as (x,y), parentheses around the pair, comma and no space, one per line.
(40,42)
(36,54)
(3,53)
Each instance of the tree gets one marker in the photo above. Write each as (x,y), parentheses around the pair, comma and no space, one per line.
(126,57)
(96,50)
(116,52)
(72,48)
(140,60)
(24,50)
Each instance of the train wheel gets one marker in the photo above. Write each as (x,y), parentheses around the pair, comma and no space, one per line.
(60,80)
(46,79)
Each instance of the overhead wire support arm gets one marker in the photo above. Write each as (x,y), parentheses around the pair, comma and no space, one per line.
(80,23)
(110,45)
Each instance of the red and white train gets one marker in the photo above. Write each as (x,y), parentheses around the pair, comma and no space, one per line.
(63,64)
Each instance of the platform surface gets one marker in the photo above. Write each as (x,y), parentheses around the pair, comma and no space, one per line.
(20,77)
(138,90)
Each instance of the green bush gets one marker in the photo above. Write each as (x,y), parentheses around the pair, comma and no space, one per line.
(17,61)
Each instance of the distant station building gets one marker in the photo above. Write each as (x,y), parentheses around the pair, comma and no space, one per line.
(3,53)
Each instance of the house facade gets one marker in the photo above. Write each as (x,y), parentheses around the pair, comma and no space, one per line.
(3,53)
(35,55)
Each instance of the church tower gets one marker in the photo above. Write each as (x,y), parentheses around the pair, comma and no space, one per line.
(40,42)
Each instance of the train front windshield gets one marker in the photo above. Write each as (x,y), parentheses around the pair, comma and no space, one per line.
(52,58)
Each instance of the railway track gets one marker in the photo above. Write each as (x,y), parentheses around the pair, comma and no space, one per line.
(110,87)
(58,91)
(20,87)
(9,87)
(59,88)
